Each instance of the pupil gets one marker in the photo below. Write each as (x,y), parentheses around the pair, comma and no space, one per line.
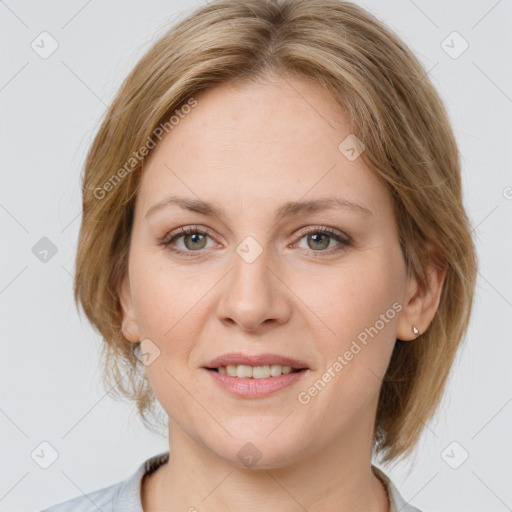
(315,240)
(195,240)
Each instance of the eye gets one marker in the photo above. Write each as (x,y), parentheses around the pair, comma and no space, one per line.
(318,239)
(194,240)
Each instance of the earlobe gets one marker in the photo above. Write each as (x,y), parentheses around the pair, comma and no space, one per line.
(129,324)
(421,302)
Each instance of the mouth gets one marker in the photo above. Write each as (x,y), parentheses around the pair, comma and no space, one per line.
(254,382)
(258,366)
(255,375)
(244,371)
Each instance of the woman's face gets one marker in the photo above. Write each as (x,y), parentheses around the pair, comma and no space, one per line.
(265,279)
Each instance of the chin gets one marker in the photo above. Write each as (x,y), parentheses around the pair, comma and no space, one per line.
(258,450)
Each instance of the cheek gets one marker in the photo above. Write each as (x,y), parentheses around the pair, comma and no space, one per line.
(366,332)
(349,301)
(359,308)
(168,313)
(170,309)
(166,301)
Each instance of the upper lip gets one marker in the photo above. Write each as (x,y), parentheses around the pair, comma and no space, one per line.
(236,358)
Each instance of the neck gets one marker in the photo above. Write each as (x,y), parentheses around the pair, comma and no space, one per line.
(198,479)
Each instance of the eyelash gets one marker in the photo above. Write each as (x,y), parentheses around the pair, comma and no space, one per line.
(188,230)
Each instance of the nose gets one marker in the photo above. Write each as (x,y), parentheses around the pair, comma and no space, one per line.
(253,296)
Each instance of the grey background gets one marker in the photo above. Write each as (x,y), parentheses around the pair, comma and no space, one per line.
(50,110)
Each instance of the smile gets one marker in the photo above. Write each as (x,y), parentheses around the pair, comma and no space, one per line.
(256,372)
(253,382)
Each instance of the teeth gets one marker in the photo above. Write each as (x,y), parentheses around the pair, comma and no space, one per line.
(243,371)
(261,372)
(275,370)
(255,372)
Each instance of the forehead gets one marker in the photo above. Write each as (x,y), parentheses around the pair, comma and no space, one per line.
(273,141)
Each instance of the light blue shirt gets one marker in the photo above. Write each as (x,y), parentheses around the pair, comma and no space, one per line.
(125,495)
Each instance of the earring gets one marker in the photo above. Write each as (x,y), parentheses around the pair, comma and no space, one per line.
(415,330)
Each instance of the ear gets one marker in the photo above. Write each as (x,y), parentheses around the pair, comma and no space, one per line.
(129,323)
(421,299)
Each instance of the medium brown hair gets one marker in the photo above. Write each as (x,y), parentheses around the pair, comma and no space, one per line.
(391,106)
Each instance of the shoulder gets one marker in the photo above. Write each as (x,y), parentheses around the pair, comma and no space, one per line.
(123,496)
(397,502)
(101,499)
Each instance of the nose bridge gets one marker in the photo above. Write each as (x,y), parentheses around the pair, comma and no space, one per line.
(252,294)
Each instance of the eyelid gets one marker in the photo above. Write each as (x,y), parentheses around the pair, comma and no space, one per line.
(343,239)
(325,230)
(186,230)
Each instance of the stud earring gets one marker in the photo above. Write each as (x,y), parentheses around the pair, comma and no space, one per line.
(415,330)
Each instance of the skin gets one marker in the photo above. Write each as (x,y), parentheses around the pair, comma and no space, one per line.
(249,149)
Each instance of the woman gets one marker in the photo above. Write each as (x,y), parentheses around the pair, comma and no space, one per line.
(274,247)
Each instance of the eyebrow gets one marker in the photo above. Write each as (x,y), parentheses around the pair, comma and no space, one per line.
(286,210)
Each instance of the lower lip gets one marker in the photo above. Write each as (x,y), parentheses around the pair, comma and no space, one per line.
(255,388)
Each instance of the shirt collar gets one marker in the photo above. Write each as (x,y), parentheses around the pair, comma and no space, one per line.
(128,496)
(396,501)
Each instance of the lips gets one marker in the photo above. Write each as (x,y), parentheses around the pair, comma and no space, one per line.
(238,358)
